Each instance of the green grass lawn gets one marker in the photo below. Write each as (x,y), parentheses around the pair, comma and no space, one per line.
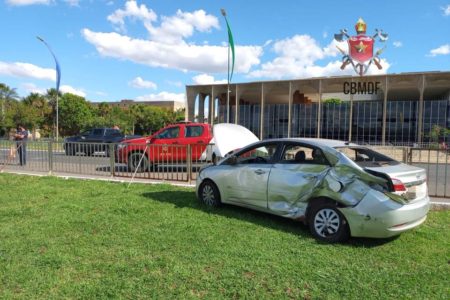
(88,239)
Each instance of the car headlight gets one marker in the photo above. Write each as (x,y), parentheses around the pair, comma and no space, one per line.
(121,146)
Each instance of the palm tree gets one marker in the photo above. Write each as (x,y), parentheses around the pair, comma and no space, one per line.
(7,94)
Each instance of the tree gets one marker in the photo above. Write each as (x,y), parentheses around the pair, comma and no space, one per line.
(332,101)
(75,114)
(39,112)
(7,96)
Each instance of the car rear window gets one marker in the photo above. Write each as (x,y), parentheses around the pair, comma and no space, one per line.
(97,132)
(194,131)
(366,157)
(113,132)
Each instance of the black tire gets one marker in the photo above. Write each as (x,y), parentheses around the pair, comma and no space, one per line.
(326,223)
(87,151)
(208,193)
(133,162)
(70,151)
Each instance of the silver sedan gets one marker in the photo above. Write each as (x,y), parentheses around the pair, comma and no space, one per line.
(338,189)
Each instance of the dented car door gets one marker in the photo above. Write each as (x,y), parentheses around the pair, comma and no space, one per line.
(299,171)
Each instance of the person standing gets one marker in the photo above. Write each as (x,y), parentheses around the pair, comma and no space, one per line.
(21,138)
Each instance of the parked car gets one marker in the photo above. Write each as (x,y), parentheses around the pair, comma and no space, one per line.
(93,140)
(167,146)
(338,189)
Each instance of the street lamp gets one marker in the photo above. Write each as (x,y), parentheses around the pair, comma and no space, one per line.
(230,47)
(58,80)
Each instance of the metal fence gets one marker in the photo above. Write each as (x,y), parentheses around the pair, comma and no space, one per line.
(176,162)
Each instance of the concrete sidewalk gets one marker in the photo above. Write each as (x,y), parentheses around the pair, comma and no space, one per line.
(437,203)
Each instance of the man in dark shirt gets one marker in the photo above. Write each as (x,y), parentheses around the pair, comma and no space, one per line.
(21,137)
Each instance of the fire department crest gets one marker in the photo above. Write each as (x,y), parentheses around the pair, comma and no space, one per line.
(361,48)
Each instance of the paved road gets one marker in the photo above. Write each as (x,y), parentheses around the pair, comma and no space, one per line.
(438,174)
(98,165)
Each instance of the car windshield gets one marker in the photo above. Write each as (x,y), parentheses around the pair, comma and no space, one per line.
(365,157)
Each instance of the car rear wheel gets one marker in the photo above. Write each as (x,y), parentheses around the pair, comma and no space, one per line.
(327,223)
(70,149)
(133,162)
(209,194)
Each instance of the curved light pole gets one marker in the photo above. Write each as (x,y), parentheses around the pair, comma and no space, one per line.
(58,80)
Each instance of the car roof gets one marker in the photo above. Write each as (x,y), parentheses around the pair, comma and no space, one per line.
(317,142)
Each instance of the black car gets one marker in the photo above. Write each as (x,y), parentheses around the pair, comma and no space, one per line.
(93,140)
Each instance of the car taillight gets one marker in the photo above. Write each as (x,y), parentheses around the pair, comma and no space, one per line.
(398,185)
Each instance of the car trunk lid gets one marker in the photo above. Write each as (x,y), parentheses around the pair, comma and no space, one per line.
(412,178)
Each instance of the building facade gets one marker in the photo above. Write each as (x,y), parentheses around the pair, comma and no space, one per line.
(398,109)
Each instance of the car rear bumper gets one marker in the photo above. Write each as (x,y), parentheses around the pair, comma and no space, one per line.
(378,216)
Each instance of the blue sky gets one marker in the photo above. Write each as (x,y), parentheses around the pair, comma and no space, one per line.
(149,50)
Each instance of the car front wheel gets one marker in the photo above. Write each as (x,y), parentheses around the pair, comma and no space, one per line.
(133,162)
(327,223)
(209,194)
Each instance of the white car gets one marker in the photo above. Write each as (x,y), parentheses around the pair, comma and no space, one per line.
(338,189)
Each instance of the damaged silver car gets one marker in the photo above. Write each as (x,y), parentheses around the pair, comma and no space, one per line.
(338,189)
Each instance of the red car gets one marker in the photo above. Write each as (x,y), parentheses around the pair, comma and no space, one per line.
(167,146)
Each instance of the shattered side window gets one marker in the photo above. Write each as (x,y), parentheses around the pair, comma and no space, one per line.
(295,154)
(366,157)
(350,153)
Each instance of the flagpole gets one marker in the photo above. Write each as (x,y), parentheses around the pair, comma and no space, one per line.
(224,14)
(58,78)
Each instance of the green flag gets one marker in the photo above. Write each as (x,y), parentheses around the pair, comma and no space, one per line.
(231,42)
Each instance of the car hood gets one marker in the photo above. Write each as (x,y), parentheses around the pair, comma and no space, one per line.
(135,140)
(229,137)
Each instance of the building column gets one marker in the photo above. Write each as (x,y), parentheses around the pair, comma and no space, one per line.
(290,100)
(191,95)
(350,117)
(212,100)
(201,108)
(420,114)
(383,126)
(236,106)
(261,122)
(319,110)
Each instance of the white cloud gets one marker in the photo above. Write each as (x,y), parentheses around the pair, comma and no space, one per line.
(298,57)
(26,70)
(397,44)
(163,96)
(32,88)
(140,83)
(73,2)
(181,56)
(39,2)
(132,11)
(206,79)
(175,83)
(27,2)
(442,50)
(167,45)
(68,89)
(446,10)
(173,29)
